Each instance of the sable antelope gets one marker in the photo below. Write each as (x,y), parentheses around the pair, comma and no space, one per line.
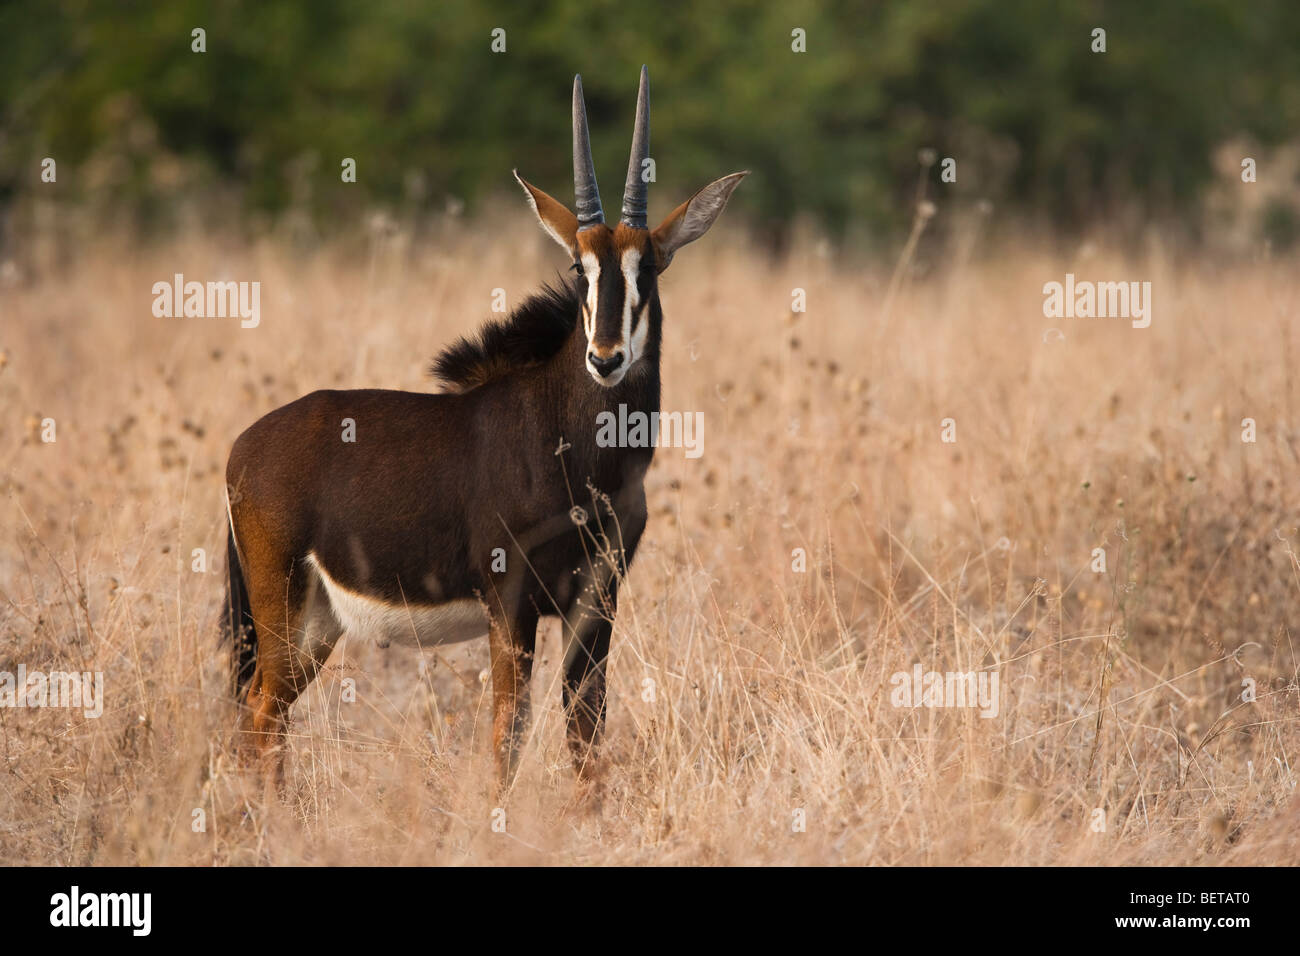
(402,533)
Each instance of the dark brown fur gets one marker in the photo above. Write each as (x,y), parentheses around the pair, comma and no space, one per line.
(533,333)
(412,511)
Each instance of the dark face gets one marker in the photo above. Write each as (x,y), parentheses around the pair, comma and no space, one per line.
(617,279)
(620,267)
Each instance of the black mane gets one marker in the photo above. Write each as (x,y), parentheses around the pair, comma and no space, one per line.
(532,334)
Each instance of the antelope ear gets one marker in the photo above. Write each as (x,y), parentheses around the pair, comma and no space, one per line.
(560,224)
(692,218)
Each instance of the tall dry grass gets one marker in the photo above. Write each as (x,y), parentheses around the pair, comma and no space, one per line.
(742,690)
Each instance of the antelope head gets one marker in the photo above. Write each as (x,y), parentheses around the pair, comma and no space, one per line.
(618,269)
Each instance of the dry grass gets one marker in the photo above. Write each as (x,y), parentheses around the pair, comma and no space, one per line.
(771,687)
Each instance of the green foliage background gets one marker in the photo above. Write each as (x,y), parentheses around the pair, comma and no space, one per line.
(415,94)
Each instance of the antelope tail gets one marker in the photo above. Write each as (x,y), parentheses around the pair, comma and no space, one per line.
(237,623)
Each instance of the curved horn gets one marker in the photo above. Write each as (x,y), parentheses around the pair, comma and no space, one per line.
(634,192)
(585,192)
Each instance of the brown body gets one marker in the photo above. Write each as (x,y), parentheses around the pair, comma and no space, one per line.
(431,518)
(413,511)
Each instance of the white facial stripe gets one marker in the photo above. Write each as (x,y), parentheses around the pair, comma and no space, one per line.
(590,268)
(636,348)
(632,344)
(631,300)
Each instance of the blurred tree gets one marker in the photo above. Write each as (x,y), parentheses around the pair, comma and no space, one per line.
(415,94)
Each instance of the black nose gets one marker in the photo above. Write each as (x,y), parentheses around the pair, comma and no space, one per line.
(605,366)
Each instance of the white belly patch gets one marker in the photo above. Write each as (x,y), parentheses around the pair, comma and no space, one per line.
(412,625)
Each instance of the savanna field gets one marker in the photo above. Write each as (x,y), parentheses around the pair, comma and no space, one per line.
(751,719)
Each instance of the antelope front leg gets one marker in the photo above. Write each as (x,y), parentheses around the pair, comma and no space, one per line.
(588,627)
(512,640)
